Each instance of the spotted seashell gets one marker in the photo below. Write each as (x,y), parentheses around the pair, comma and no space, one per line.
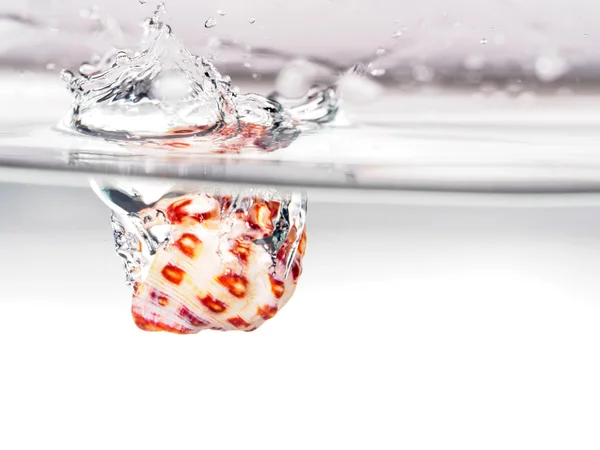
(228,262)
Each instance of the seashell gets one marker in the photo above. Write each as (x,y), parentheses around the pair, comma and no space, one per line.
(216,261)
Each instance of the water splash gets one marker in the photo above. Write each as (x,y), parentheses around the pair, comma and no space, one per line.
(309,91)
(164,92)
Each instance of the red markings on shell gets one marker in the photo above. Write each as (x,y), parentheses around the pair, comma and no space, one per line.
(212,303)
(235,284)
(178,211)
(154,324)
(191,317)
(302,244)
(238,322)
(277,287)
(173,274)
(159,298)
(267,311)
(261,217)
(242,248)
(189,244)
(262,214)
(296,270)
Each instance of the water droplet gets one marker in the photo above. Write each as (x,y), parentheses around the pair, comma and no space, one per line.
(247,64)
(397,34)
(210,22)
(50,66)
(221,12)
(381,51)
(87,69)
(585,35)
(422,73)
(67,76)
(142,2)
(377,72)
(483,41)
(252,20)
(550,67)
(256,76)
(121,56)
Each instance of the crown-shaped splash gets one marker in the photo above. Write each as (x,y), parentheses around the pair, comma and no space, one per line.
(162,91)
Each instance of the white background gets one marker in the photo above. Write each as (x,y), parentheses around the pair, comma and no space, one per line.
(414,327)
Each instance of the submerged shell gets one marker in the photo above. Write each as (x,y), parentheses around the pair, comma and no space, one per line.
(227,262)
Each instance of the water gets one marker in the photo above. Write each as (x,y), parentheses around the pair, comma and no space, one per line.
(196,258)
(201,258)
(164,92)
(211,22)
(376,325)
